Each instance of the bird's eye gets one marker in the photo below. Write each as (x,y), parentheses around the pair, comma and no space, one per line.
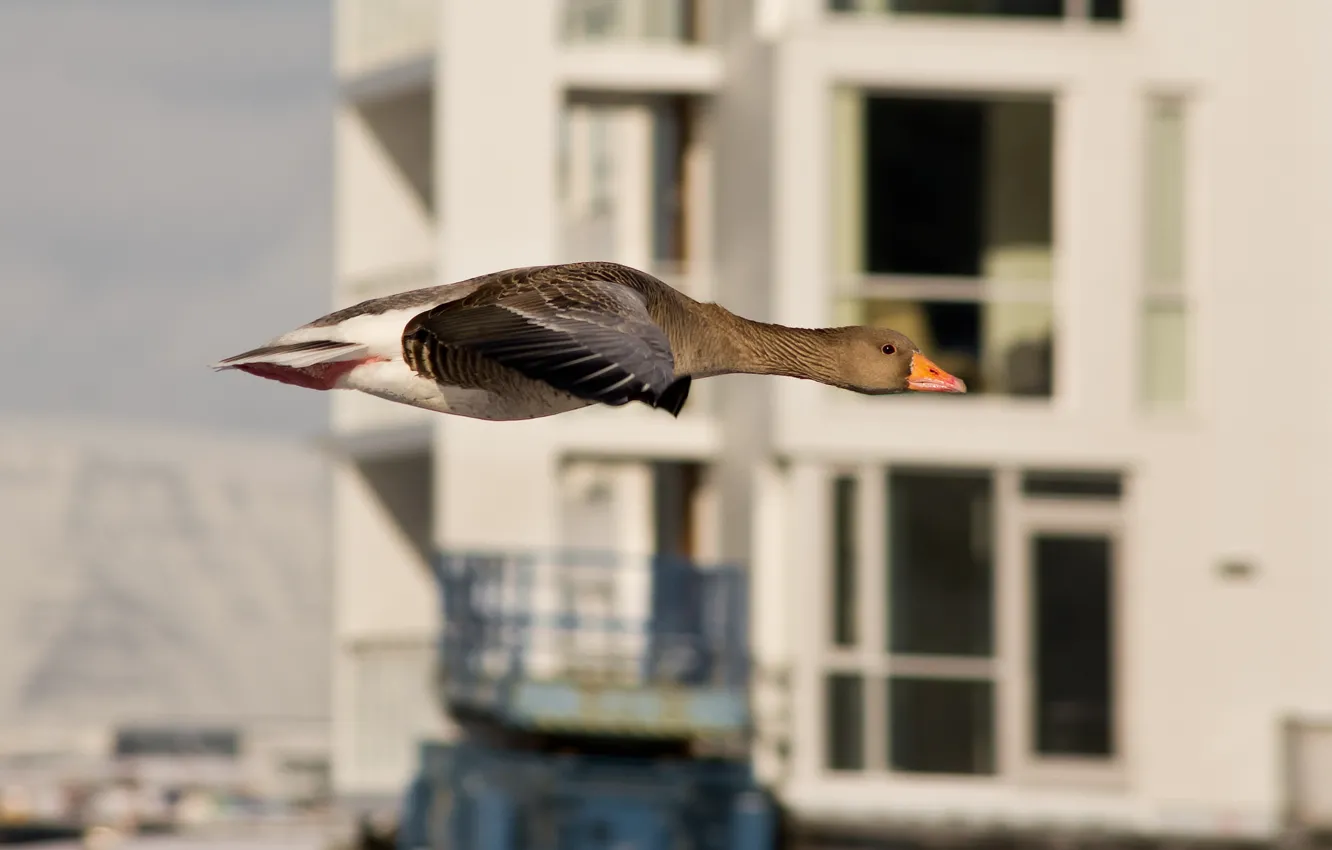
(889,348)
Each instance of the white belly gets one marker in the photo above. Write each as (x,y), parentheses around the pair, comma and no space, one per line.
(394,380)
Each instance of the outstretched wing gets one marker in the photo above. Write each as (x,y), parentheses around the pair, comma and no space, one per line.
(593,339)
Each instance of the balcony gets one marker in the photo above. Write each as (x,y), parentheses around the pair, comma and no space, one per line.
(637,47)
(635,185)
(596,643)
(661,21)
(380,36)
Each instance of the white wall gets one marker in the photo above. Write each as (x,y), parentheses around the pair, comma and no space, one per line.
(386,618)
(1211,665)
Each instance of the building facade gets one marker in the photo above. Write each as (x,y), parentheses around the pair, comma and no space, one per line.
(1090,593)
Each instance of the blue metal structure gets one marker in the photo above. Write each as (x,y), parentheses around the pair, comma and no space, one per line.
(573,647)
(489,799)
(526,642)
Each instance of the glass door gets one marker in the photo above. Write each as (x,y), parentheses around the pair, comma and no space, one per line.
(1072,637)
(1068,722)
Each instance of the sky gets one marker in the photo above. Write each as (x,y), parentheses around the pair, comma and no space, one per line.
(165,201)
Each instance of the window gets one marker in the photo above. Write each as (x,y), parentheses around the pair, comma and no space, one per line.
(587,177)
(940,593)
(1096,10)
(941,725)
(846,722)
(914,679)
(672,127)
(912,691)
(943,229)
(610,152)
(1071,593)
(182,742)
(677,488)
(631,20)
(1165,307)
(1059,484)
(845,544)
(940,604)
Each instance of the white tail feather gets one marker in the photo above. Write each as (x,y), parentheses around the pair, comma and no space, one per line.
(297,355)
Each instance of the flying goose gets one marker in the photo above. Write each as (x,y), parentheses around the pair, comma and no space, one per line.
(537,341)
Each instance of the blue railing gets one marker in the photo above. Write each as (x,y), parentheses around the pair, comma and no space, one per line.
(623,627)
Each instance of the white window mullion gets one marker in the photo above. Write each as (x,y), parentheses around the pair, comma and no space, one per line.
(943,667)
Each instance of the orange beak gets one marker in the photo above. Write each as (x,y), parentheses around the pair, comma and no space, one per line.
(925,377)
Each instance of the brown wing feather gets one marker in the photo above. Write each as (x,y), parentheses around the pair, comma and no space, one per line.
(592,339)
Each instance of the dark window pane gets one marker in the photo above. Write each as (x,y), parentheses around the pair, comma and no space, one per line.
(1096,485)
(845,718)
(177,742)
(1015,8)
(1072,586)
(844,561)
(1107,10)
(1000,8)
(940,588)
(675,488)
(941,726)
(924,171)
(954,186)
(671,127)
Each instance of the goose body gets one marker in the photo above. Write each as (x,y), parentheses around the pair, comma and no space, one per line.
(537,341)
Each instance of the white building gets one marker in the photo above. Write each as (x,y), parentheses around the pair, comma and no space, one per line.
(1092,592)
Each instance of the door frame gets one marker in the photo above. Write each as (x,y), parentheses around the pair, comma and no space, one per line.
(1031,517)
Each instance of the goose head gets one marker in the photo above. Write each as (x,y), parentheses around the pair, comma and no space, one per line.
(880,361)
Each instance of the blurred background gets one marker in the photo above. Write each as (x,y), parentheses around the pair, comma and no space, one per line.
(1088,604)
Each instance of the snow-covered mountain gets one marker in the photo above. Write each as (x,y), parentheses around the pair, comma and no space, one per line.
(154,574)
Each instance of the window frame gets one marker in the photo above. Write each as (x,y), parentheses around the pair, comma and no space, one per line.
(869,656)
(1016,519)
(1048,516)
(609,197)
(1077,13)
(1177,294)
(850,284)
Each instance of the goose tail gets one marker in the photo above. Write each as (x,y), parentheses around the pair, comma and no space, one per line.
(295,355)
(313,364)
